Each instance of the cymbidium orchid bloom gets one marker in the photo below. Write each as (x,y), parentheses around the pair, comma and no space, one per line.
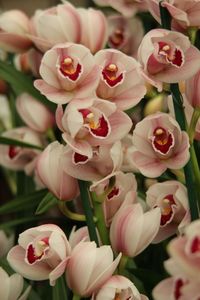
(89,268)
(20,158)
(105,160)
(12,287)
(56,25)
(42,253)
(184,13)
(185,251)
(159,144)
(14,27)
(125,34)
(113,188)
(127,7)
(177,288)
(51,173)
(192,90)
(167,57)
(171,198)
(35,114)
(92,36)
(132,230)
(91,122)
(118,288)
(120,80)
(68,71)
(5,243)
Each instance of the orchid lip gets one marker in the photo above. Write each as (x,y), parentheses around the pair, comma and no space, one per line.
(35,254)
(80,159)
(68,68)
(162,140)
(110,75)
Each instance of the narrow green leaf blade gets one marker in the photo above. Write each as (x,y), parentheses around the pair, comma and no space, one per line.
(47,202)
(8,141)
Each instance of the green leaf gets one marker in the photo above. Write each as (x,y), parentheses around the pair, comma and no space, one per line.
(47,202)
(19,221)
(8,141)
(22,202)
(60,290)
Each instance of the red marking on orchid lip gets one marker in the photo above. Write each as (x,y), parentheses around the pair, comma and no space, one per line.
(34,254)
(162,140)
(116,38)
(31,257)
(13,151)
(114,192)
(68,70)
(175,58)
(110,75)
(79,158)
(195,245)
(101,129)
(178,58)
(177,289)
(167,209)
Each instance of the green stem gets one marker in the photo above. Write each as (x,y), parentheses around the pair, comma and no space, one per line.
(192,33)
(83,186)
(76,297)
(98,210)
(180,117)
(122,264)
(69,214)
(193,123)
(51,135)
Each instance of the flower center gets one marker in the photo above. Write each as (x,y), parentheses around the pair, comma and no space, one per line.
(174,57)
(68,68)
(13,151)
(37,251)
(167,206)
(79,158)
(114,192)
(110,75)
(117,297)
(162,140)
(117,37)
(177,288)
(195,245)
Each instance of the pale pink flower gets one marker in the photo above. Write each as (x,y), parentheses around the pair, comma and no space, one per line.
(167,56)
(185,251)
(125,34)
(29,62)
(89,267)
(68,71)
(119,288)
(14,27)
(171,197)
(127,7)
(91,122)
(35,114)
(16,157)
(105,160)
(176,288)
(56,25)
(114,188)
(5,243)
(120,80)
(79,235)
(192,90)
(42,253)
(50,170)
(184,13)
(12,287)
(132,230)
(92,36)
(159,144)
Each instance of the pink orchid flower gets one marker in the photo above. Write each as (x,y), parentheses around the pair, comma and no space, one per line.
(38,256)
(12,287)
(105,160)
(14,27)
(91,122)
(5,243)
(177,288)
(159,144)
(90,267)
(51,173)
(55,25)
(171,198)
(185,251)
(192,90)
(125,34)
(35,114)
(114,194)
(167,56)
(119,288)
(184,13)
(92,36)
(20,158)
(68,71)
(120,80)
(132,230)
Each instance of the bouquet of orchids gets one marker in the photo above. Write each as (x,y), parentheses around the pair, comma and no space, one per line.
(100,151)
